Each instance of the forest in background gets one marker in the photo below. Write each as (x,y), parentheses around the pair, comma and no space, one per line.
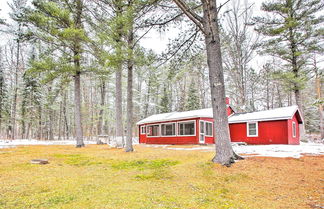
(59,51)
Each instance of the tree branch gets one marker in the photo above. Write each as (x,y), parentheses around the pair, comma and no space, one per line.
(190,14)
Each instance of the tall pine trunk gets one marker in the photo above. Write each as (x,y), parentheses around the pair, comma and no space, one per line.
(130,65)
(77,80)
(119,107)
(119,68)
(77,111)
(224,152)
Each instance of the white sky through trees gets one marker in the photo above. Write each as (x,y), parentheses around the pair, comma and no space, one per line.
(153,40)
(158,41)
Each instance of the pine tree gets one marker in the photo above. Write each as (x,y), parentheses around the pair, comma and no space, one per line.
(31,100)
(208,24)
(165,101)
(291,28)
(3,98)
(59,24)
(193,101)
(17,7)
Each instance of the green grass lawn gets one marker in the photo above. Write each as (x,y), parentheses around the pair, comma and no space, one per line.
(101,177)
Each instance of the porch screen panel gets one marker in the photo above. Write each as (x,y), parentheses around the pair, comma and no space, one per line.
(187,128)
(209,129)
(168,129)
(153,130)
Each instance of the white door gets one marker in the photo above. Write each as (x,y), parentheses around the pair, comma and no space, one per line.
(202,132)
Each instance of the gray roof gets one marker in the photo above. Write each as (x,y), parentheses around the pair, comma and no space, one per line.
(282,113)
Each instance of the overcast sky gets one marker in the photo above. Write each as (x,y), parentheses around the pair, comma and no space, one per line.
(153,40)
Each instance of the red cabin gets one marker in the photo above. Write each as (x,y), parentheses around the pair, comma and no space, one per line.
(276,126)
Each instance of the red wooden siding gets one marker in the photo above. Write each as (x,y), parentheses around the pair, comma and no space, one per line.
(269,132)
(171,139)
(209,139)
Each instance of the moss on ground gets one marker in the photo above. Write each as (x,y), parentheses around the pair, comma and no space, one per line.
(101,177)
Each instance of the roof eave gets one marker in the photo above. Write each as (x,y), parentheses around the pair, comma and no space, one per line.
(174,119)
(260,119)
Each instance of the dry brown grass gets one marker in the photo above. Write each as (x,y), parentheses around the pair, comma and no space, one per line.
(101,177)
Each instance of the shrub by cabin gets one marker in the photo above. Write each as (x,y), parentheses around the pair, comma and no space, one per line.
(276,126)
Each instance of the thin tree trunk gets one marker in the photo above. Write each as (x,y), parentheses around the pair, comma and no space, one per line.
(14,102)
(318,85)
(147,98)
(60,122)
(102,104)
(66,130)
(279,95)
(40,127)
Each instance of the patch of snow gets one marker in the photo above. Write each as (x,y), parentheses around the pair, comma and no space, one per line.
(192,148)
(157,145)
(295,151)
(17,142)
(118,141)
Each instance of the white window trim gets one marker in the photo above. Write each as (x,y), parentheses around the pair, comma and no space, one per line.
(143,133)
(294,133)
(206,129)
(175,129)
(159,135)
(256,127)
(187,121)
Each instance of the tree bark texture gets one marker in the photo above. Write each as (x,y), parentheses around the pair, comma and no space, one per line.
(119,94)
(130,65)
(320,105)
(77,111)
(14,102)
(77,80)
(224,152)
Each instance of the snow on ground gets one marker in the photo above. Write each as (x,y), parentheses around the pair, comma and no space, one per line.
(280,150)
(295,151)
(16,142)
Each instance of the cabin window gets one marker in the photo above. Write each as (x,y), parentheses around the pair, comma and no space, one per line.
(168,129)
(294,129)
(209,129)
(252,129)
(143,131)
(153,130)
(186,128)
